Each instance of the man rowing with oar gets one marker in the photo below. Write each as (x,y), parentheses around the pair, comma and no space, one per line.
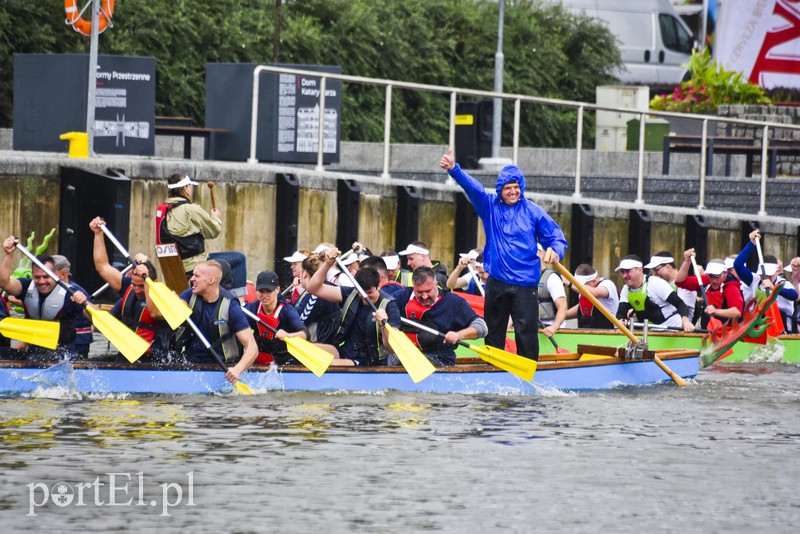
(513,226)
(131,308)
(42,298)
(442,311)
(723,291)
(219,316)
(360,338)
(650,298)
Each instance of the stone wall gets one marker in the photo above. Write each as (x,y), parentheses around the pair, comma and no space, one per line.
(787,165)
(246,196)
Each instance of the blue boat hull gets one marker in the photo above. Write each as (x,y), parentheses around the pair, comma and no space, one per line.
(23,378)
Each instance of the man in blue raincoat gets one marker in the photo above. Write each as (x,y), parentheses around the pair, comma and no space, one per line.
(513,226)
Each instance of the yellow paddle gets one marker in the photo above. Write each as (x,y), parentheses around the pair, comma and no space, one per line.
(314,358)
(616,322)
(416,364)
(32,331)
(238,386)
(172,308)
(513,363)
(125,340)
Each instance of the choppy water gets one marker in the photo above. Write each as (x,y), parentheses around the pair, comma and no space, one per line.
(722,455)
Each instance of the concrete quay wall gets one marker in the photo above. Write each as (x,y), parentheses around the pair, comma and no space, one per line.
(246,196)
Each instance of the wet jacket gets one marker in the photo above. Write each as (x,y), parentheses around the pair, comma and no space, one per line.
(511,231)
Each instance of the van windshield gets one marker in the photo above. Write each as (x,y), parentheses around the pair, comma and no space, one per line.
(674,35)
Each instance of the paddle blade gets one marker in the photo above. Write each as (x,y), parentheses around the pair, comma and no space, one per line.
(172,308)
(313,357)
(513,363)
(123,338)
(416,364)
(242,389)
(32,331)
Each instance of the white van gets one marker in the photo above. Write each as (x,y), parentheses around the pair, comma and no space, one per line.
(653,40)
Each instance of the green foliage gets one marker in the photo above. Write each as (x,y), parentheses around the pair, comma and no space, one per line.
(548,52)
(709,87)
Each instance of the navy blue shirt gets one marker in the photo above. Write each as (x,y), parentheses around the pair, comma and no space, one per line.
(195,350)
(363,341)
(449,313)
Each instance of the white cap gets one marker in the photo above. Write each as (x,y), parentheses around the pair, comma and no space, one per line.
(715,267)
(413,249)
(472,254)
(655,261)
(392,262)
(583,278)
(187,180)
(352,258)
(628,264)
(320,248)
(769,268)
(788,268)
(728,263)
(297,256)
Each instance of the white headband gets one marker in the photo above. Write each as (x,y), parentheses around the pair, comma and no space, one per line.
(586,277)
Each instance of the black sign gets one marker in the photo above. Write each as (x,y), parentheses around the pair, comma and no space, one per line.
(288,116)
(50,97)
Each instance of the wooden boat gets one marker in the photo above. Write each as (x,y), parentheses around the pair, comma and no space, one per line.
(591,369)
(784,348)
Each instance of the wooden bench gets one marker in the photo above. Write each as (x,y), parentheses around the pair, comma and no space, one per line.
(729,146)
(182,126)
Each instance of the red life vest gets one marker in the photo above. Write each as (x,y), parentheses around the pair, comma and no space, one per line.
(416,311)
(127,312)
(585,306)
(265,358)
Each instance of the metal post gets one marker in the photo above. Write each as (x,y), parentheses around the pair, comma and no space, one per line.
(703,160)
(254,117)
(452,137)
(640,181)
(387,129)
(497,116)
(578,146)
(321,134)
(764,150)
(517,111)
(92,89)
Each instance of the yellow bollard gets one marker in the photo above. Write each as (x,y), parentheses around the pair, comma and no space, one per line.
(78,144)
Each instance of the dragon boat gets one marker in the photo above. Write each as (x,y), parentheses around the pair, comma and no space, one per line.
(588,368)
(737,341)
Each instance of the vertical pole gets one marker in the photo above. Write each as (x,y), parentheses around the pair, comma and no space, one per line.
(578,146)
(640,180)
(321,134)
(517,111)
(254,117)
(387,130)
(764,150)
(497,116)
(452,138)
(92,88)
(703,160)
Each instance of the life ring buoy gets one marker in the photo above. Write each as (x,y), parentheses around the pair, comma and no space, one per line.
(83,26)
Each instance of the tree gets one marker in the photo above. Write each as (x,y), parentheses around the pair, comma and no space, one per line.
(548,52)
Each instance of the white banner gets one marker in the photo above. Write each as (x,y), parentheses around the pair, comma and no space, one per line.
(760,38)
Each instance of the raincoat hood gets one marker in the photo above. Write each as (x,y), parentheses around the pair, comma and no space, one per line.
(510,173)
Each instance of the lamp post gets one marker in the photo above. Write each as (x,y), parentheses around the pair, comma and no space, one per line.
(497,116)
(92,89)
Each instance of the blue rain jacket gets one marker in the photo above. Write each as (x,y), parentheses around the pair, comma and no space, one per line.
(511,231)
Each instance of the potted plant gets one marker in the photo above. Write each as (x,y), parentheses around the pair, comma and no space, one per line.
(709,87)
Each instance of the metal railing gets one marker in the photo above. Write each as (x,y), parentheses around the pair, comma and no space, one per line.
(455,93)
